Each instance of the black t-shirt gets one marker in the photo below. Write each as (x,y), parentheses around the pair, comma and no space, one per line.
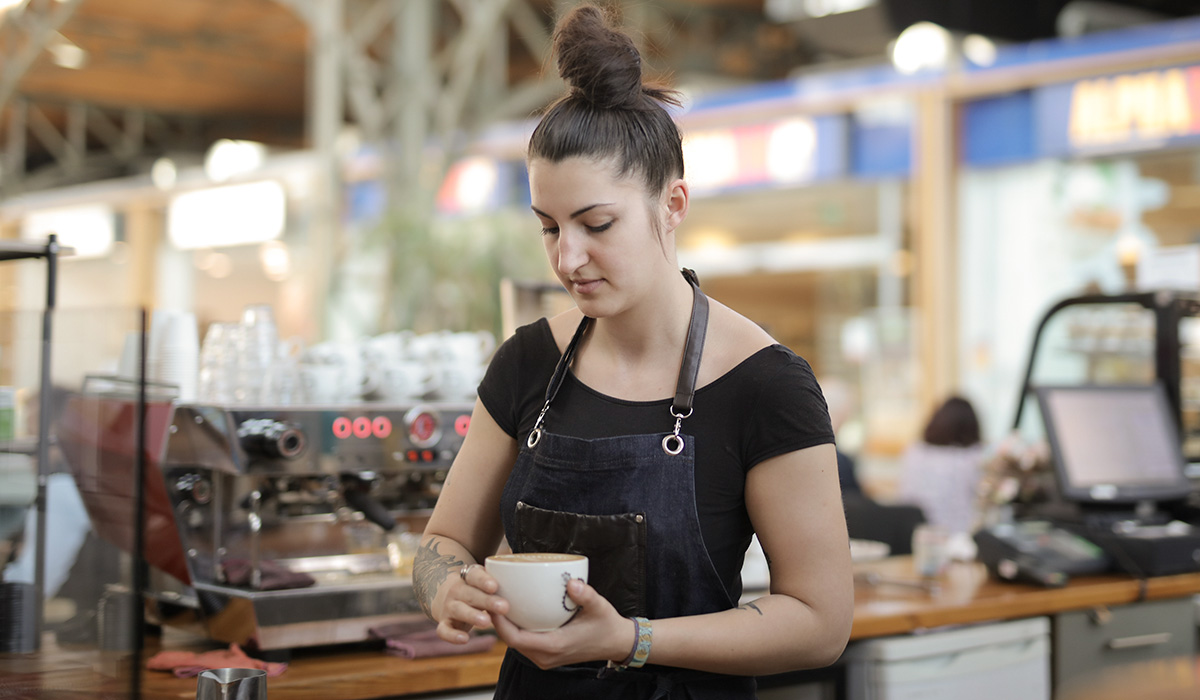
(768,405)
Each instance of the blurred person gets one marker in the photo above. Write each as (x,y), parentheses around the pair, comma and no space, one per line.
(840,400)
(577,445)
(942,471)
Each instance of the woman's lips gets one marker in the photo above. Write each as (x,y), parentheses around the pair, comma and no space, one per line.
(585,286)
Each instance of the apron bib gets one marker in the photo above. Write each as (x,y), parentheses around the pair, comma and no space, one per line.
(629,504)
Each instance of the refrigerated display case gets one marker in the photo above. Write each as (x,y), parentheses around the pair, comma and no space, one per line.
(1132,338)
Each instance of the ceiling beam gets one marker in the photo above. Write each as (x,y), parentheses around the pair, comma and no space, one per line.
(42,25)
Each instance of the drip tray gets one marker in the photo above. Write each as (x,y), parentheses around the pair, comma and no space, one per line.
(340,608)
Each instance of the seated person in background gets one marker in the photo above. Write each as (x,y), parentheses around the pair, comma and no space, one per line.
(941,472)
(840,402)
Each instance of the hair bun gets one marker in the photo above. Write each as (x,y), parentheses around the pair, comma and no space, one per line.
(598,62)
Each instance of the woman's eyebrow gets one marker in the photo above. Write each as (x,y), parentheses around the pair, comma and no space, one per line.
(574,214)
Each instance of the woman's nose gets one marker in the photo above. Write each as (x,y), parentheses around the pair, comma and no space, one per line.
(572,251)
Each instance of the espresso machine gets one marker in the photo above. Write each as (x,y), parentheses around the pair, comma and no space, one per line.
(288,517)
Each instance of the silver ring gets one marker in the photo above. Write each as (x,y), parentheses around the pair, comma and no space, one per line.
(672,444)
(462,573)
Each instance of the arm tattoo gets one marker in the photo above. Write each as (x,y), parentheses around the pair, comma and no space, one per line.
(430,569)
(750,606)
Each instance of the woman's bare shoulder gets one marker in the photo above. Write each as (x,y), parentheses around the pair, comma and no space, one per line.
(730,340)
(563,326)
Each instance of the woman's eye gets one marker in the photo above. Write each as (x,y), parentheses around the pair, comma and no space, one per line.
(549,230)
(601,228)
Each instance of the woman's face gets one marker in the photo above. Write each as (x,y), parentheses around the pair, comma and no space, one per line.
(601,232)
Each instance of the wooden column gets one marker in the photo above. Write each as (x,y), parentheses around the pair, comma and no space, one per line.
(144,224)
(934,227)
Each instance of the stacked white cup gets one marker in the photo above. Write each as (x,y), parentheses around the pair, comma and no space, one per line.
(174,351)
(258,350)
(219,363)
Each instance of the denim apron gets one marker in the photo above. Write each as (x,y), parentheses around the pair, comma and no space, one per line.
(629,504)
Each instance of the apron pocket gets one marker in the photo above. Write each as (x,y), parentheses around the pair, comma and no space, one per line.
(615,546)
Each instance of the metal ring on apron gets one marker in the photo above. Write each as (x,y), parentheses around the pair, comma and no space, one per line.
(675,438)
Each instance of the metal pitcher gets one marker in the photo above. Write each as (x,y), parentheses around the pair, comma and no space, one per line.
(232,684)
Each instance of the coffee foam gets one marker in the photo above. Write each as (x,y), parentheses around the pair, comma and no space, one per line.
(537,557)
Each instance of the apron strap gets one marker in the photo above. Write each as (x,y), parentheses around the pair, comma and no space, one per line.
(685,388)
(689,367)
(560,370)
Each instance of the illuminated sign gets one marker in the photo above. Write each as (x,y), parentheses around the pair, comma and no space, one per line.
(1149,105)
(789,152)
(1131,111)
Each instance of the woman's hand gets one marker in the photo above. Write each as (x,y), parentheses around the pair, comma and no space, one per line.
(469,602)
(596,633)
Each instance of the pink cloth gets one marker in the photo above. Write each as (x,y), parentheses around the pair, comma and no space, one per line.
(418,640)
(189,664)
(275,576)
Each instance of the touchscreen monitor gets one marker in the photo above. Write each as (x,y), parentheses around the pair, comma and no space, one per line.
(1114,443)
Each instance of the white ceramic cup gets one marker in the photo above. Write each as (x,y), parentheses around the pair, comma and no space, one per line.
(535,586)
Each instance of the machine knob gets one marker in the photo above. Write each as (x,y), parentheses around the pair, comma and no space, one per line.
(271,438)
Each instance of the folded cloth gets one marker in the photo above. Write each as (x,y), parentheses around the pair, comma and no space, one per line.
(418,640)
(275,576)
(189,664)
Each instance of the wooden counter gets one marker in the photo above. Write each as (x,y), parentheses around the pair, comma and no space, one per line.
(328,674)
(966,595)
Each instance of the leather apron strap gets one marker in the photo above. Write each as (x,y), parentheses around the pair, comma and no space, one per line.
(685,386)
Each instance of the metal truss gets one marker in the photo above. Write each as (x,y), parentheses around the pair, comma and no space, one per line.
(82,141)
(25,31)
(412,72)
(404,73)
(96,142)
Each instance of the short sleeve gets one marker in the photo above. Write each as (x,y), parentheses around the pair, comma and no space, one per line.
(515,381)
(498,390)
(789,412)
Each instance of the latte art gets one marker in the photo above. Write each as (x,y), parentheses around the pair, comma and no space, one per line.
(538,557)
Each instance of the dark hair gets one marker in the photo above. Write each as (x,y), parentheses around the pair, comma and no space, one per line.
(608,112)
(953,424)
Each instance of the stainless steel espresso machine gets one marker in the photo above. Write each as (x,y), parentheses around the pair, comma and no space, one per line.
(288,516)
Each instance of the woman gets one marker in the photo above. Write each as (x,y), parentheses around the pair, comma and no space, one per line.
(590,431)
(941,473)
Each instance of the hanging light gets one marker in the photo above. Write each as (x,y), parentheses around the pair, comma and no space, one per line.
(922,46)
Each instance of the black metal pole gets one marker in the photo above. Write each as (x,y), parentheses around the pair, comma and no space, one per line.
(139,530)
(43,443)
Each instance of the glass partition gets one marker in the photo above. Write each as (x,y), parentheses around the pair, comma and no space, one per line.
(80,488)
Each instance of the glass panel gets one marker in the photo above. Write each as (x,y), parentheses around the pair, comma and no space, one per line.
(88,512)
(1091,344)
(1189,392)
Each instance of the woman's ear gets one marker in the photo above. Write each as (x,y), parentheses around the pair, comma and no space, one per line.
(677,203)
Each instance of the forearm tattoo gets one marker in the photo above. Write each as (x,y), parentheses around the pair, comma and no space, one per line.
(750,606)
(430,569)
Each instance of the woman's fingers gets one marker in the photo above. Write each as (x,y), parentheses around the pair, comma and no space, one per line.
(469,614)
(477,577)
